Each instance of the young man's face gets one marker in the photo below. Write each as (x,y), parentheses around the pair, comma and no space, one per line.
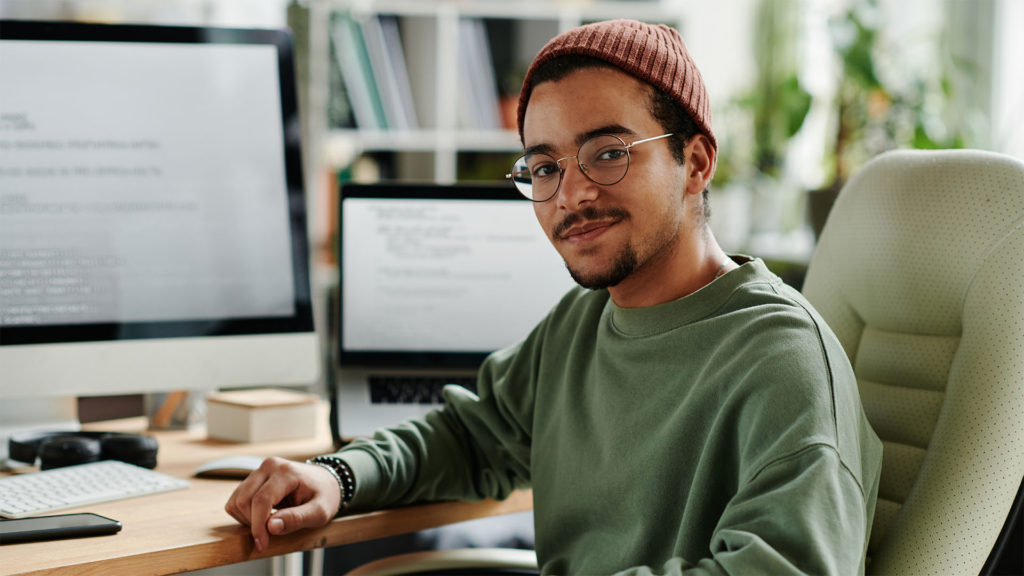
(608,235)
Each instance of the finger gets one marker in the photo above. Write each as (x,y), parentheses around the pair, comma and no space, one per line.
(239,503)
(309,515)
(235,513)
(266,497)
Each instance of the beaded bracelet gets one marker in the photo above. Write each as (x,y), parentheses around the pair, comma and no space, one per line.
(342,474)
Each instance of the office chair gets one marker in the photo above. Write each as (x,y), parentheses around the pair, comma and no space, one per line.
(920,273)
(465,561)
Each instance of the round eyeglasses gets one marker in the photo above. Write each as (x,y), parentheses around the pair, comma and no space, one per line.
(604,159)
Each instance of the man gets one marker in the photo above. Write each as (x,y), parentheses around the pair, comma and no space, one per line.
(680,410)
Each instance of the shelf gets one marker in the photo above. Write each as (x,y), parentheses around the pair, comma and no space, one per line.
(422,140)
(522,10)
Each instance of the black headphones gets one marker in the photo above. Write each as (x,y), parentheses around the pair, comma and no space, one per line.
(57,449)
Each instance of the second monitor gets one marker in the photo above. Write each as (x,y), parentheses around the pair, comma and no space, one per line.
(432,279)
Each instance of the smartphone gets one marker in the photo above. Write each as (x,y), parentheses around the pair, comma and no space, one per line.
(59,526)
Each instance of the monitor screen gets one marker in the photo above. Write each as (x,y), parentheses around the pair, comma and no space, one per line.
(441,275)
(152,215)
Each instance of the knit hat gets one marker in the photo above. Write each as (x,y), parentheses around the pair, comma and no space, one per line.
(654,54)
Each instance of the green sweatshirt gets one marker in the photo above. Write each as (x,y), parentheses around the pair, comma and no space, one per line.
(718,433)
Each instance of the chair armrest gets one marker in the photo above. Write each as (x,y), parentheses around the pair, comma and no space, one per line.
(508,560)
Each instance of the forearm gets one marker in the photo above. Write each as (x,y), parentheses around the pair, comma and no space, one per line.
(459,452)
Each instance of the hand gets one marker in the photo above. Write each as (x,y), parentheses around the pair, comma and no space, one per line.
(282,496)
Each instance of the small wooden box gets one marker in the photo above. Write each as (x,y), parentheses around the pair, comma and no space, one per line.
(261,415)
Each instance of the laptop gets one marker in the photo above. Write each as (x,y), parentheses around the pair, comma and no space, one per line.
(432,278)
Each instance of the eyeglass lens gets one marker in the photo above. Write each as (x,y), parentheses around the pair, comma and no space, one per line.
(603,159)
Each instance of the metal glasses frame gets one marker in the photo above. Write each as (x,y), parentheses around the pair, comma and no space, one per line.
(583,169)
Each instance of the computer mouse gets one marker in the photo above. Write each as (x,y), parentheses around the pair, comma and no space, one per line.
(228,467)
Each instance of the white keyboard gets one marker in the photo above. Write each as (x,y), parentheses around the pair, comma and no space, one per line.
(37,493)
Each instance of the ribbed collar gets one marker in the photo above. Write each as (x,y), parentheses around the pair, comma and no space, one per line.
(652,320)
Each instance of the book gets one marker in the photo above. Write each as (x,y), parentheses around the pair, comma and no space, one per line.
(354,63)
(387,62)
(396,53)
(478,89)
(261,415)
(419,35)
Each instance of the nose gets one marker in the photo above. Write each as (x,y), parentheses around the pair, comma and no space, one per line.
(576,188)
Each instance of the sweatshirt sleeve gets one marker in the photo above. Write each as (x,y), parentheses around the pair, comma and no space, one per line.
(474,447)
(801,514)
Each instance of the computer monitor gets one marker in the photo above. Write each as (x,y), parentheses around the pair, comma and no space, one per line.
(436,276)
(152,215)
(432,279)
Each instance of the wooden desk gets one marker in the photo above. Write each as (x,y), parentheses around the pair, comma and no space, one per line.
(189,530)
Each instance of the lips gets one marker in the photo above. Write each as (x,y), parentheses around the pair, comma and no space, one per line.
(586,230)
(588,224)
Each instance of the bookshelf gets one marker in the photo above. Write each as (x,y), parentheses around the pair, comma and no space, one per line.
(461,59)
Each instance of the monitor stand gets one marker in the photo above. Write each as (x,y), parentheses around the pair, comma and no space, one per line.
(35,414)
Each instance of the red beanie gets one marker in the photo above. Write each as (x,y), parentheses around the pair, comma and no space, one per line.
(654,54)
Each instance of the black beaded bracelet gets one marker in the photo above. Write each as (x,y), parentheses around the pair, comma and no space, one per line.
(342,474)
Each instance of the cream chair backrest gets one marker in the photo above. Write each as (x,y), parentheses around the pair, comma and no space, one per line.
(920,272)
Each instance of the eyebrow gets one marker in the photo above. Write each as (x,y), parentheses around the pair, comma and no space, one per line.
(613,129)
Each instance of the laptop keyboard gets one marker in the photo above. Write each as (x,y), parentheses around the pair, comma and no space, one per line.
(414,389)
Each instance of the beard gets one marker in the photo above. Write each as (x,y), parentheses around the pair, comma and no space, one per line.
(625,264)
(631,256)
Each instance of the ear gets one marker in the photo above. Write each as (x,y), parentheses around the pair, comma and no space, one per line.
(701,157)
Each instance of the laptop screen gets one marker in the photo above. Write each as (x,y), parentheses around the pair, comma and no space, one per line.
(436,275)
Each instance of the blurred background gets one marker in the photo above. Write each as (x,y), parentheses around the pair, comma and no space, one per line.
(804,92)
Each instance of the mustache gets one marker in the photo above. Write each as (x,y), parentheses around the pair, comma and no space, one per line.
(589,213)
